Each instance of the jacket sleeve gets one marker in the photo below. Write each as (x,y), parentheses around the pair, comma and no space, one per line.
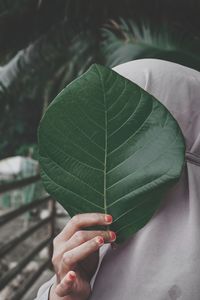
(43,292)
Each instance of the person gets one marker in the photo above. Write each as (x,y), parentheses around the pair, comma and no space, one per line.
(161,261)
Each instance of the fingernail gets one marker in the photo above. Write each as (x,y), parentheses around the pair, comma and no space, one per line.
(108,219)
(72,276)
(112,236)
(100,240)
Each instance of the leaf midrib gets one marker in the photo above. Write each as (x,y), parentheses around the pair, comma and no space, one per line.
(106,141)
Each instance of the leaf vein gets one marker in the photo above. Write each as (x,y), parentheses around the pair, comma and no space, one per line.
(73,143)
(132,134)
(66,153)
(120,95)
(145,165)
(67,189)
(76,177)
(70,120)
(89,118)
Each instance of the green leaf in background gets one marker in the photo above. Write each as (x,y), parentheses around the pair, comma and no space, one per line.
(108,146)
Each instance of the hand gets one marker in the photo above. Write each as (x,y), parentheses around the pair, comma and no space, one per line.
(76,256)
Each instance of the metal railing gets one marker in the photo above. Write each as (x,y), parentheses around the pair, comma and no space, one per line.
(20,237)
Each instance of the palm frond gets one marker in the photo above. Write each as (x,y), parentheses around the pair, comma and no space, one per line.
(36,74)
(24,78)
(126,40)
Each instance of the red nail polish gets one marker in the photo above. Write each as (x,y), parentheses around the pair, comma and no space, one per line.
(112,236)
(108,219)
(72,276)
(100,240)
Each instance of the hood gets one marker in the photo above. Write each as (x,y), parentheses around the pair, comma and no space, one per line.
(181,97)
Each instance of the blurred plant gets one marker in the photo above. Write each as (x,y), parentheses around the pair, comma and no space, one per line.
(126,40)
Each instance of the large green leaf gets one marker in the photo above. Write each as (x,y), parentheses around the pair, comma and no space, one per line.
(108,146)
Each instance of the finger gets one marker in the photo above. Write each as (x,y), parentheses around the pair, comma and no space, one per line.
(72,257)
(66,286)
(84,220)
(82,236)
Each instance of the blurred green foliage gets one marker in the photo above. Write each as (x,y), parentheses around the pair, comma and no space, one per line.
(45,44)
